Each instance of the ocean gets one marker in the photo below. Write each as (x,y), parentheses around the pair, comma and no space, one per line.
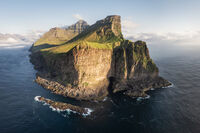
(175,109)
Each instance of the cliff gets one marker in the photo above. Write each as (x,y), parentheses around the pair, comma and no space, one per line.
(96,62)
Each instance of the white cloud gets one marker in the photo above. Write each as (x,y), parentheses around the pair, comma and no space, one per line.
(78,16)
(12,46)
(11,40)
(128,27)
(132,31)
(19,40)
(33,35)
(185,38)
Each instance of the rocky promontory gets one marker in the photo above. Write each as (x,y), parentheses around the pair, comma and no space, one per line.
(95,61)
(60,106)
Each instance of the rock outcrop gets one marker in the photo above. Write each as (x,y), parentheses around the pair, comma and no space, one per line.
(60,106)
(96,62)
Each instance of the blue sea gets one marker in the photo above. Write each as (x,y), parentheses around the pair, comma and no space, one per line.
(175,109)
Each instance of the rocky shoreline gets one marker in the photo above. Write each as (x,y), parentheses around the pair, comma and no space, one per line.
(59,89)
(138,88)
(132,89)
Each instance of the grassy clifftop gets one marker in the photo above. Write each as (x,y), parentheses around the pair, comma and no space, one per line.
(104,34)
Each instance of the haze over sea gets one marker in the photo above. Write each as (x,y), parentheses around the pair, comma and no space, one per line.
(174,109)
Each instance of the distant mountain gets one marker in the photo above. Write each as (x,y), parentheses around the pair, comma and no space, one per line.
(59,35)
(53,36)
(79,26)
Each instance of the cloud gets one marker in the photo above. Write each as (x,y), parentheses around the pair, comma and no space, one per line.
(33,35)
(130,31)
(11,40)
(13,46)
(128,26)
(186,38)
(78,16)
(19,40)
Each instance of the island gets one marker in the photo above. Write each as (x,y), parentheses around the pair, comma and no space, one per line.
(89,62)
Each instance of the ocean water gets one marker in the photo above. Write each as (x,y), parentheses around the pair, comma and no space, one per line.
(175,109)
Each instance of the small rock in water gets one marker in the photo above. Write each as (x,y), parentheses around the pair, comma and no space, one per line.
(60,106)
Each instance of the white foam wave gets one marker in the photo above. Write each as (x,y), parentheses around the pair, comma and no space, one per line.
(89,111)
(170,86)
(105,99)
(61,110)
(36,98)
(139,98)
(142,98)
(147,97)
(152,89)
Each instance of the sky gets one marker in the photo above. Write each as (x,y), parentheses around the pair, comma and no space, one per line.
(140,18)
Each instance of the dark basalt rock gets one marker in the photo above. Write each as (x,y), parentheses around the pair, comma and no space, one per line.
(64,106)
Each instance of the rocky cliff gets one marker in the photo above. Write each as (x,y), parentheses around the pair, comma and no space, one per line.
(96,62)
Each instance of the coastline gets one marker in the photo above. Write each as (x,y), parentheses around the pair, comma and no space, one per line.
(60,89)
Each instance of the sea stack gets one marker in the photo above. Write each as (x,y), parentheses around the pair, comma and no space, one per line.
(89,62)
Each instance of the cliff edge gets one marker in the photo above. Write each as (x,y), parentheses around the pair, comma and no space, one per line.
(94,62)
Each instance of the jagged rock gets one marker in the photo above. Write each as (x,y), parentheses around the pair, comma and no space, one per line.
(97,61)
(63,106)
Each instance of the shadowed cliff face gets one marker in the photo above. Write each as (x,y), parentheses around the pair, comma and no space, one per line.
(95,60)
(132,70)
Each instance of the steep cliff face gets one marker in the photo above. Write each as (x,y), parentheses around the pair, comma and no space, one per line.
(133,71)
(82,72)
(97,61)
(132,61)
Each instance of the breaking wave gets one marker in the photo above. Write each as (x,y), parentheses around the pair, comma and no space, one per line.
(142,98)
